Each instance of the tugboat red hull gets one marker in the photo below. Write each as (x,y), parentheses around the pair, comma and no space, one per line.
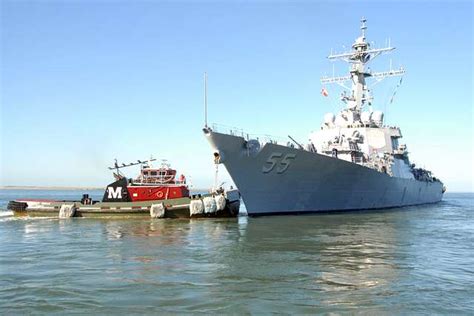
(151,193)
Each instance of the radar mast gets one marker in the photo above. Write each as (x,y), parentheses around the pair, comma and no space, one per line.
(360,55)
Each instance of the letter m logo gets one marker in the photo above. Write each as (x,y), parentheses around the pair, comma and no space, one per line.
(114,193)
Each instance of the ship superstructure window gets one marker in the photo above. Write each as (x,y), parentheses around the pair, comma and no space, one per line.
(153,173)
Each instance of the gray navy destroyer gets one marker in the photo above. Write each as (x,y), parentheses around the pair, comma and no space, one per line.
(352,162)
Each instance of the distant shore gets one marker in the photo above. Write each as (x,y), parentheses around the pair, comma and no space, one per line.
(60,188)
(34,187)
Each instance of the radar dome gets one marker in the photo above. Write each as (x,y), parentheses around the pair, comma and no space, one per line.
(365,117)
(377,117)
(329,119)
(340,121)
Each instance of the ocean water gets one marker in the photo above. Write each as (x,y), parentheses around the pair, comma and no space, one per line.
(399,261)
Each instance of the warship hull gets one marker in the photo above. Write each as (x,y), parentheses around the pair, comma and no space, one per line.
(278,179)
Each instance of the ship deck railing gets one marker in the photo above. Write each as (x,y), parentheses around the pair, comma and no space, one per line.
(229,130)
(262,138)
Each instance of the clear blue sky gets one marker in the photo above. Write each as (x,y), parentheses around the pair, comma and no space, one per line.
(84,82)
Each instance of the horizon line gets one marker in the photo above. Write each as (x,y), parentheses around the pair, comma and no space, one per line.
(74,188)
(70,188)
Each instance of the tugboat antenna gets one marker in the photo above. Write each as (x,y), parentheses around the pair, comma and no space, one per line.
(205,99)
(139,162)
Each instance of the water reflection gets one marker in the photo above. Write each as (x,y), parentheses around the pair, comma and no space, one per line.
(313,255)
(34,229)
(407,260)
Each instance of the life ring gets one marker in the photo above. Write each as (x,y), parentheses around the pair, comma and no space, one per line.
(159,194)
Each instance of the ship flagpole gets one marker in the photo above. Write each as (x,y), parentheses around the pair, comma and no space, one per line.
(205,99)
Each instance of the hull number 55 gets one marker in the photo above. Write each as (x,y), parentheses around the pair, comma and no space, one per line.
(277,160)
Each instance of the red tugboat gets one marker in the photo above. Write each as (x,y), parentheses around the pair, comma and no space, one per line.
(155,192)
(151,184)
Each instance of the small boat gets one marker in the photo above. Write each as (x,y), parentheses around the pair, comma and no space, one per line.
(154,193)
(151,184)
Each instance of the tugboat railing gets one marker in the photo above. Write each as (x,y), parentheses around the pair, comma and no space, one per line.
(162,184)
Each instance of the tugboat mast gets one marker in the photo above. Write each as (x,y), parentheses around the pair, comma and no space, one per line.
(360,55)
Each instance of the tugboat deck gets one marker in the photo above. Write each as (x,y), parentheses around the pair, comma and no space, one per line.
(175,208)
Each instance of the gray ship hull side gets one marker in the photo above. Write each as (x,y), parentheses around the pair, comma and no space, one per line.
(312,182)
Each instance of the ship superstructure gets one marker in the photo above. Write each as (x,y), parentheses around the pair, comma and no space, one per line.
(357,133)
(353,161)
